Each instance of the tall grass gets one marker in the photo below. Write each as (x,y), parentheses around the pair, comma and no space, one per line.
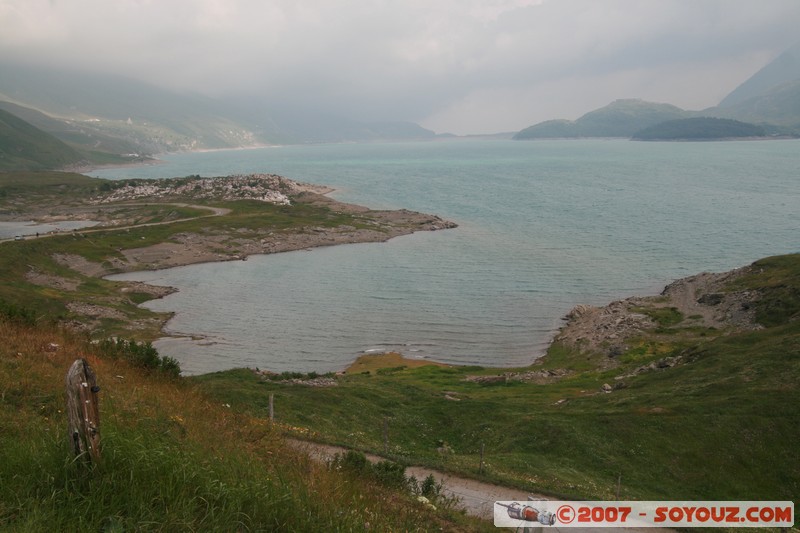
(171,460)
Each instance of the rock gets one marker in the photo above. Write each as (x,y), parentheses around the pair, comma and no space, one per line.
(711,299)
(578,311)
(615,351)
(606,388)
(667,362)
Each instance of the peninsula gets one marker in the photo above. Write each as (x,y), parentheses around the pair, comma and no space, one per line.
(155,224)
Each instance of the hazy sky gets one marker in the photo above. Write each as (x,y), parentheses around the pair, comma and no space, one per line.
(463,66)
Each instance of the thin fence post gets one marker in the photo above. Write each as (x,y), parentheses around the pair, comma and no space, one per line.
(83,411)
(619,482)
(386,435)
(480,469)
(271,408)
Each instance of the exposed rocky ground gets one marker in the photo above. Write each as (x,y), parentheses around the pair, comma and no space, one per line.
(262,187)
(602,334)
(702,300)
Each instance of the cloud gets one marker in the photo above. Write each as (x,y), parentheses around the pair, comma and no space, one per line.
(462,65)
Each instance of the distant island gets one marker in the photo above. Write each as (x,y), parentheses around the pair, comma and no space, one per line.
(621,118)
(699,129)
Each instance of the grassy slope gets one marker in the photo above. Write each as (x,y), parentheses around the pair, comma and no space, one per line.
(724,425)
(23,146)
(172,460)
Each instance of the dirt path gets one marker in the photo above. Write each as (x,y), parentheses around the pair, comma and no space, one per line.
(475,497)
(215,212)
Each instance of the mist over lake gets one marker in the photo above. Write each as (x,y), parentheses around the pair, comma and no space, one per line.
(543,226)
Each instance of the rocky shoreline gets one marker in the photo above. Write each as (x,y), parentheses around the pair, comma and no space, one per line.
(237,243)
(191,248)
(704,300)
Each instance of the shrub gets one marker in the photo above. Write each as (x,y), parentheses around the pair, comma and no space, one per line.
(143,355)
(16,313)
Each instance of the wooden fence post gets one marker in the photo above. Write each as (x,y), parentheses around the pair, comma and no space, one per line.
(83,413)
(480,468)
(271,408)
(386,435)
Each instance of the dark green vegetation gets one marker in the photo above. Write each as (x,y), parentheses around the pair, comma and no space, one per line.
(697,129)
(25,147)
(721,424)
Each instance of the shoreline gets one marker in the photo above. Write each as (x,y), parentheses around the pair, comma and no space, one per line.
(188,249)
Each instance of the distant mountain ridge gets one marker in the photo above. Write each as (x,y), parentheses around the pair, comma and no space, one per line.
(784,69)
(108,112)
(26,147)
(769,99)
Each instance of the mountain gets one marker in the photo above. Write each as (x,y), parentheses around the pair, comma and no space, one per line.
(784,69)
(121,115)
(307,126)
(771,97)
(777,109)
(621,118)
(82,134)
(698,129)
(26,147)
(152,119)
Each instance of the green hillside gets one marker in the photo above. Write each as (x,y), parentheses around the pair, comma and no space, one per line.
(88,136)
(153,119)
(25,147)
(685,412)
(699,129)
(621,118)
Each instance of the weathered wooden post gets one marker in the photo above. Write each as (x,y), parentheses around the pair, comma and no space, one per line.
(386,435)
(83,413)
(271,408)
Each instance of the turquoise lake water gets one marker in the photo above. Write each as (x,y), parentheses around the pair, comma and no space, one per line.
(544,226)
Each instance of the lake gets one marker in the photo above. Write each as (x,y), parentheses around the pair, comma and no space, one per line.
(544,226)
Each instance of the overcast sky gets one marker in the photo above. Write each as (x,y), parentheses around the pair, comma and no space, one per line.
(461,66)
